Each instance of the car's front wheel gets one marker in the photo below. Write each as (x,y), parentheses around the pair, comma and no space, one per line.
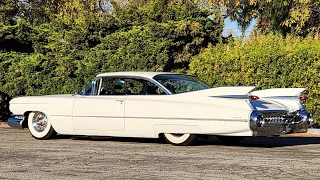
(181,139)
(40,126)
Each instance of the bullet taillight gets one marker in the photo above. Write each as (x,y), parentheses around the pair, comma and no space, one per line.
(303,98)
(253,97)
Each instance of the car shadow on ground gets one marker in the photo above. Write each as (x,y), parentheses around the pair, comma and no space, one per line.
(259,142)
(113,139)
(264,142)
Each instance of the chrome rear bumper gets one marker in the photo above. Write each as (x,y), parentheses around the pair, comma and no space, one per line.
(297,122)
(279,129)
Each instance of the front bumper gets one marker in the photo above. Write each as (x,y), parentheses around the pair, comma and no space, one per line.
(262,125)
(16,122)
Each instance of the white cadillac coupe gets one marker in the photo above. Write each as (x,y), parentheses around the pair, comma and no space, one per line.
(174,106)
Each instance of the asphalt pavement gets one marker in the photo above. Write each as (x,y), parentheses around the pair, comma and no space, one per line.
(23,157)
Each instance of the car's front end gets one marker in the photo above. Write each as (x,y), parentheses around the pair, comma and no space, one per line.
(17,121)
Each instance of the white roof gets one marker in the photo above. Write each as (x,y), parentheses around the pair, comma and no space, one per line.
(149,75)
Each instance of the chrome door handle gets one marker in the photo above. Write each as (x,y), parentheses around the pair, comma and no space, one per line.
(121,101)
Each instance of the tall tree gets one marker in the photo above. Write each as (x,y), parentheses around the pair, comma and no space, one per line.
(79,9)
(40,11)
(180,22)
(300,17)
(8,11)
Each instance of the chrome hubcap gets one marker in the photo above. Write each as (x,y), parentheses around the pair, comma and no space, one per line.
(39,122)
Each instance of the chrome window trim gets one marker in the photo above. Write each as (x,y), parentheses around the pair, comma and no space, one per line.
(99,85)
(282,97)
(93,87)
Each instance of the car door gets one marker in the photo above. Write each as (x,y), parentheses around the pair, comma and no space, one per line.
(101,109)
(144,106)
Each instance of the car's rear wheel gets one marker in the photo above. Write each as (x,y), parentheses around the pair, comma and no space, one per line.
(40,126)
(230,139)
(181,139)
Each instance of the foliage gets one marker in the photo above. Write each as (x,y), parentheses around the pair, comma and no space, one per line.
(8,10)
(269,61)
(4,106)
(16,37)
(300,17)
(61,54)
(57,46)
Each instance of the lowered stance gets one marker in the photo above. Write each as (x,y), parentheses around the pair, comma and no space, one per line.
(150,104)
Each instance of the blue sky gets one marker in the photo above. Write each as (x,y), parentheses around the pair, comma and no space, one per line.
(233,28)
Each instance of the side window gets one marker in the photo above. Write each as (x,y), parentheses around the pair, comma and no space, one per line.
(111,86)
(142,87)
(152,89)
(134,86)
(127,86)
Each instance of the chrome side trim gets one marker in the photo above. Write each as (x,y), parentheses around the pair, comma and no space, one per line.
(164,118)
(232,96)
(282,97)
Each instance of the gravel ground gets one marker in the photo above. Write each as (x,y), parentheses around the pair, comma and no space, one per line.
(22,157)
(3,124)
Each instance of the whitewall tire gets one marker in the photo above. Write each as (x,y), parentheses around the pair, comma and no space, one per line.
(40,126)
(181,139)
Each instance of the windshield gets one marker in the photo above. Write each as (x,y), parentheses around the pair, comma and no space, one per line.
(180,83)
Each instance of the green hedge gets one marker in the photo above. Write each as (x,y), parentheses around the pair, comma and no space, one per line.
(4,106)
(269,61)
(62,55)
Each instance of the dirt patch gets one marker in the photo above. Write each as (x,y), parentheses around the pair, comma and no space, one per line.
(303,135)
(3,124)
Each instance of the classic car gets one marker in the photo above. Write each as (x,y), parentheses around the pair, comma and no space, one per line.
(178,107)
